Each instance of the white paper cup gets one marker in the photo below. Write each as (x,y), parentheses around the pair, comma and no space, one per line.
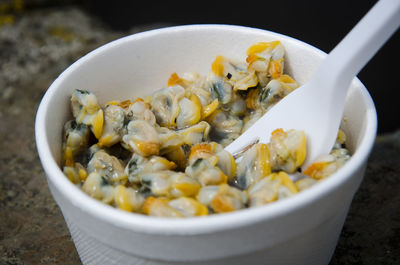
(303,229)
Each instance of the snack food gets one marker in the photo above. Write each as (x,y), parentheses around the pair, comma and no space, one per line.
(164,155)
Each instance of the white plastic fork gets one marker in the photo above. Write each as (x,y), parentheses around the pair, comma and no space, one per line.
(317,106)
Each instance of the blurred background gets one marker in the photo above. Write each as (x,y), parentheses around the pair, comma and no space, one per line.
(320,23)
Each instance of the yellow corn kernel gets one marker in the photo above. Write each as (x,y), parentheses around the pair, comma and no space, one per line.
(122,198)
(286,181)
(218,65)
(97,124)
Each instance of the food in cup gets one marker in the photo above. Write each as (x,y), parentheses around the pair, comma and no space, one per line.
(164,155)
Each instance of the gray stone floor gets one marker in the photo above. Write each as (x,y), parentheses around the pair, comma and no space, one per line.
(35,47)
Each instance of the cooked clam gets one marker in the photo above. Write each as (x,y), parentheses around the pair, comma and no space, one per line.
(169,140)
(226,162)
(222,198)
(76,173)
(175,208)
(188,207)
(98,187)
(140,110)
(267,60)
(206,172)
(114,118)
(254,166)
(189,111)
(159,207)
(275,90)
(195,134)
(251,119)
(169,184)
(108,166)
(138,165)
(86,110)
(326,165)
(183,185)
(128,199)
(142,138)
(225,127)
(76,140)
(287,150)
(273,187)
(165,105)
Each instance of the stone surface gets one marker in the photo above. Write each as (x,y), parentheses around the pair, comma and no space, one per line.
(35,47)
